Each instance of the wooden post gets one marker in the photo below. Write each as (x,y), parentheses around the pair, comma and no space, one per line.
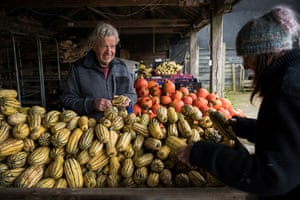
(233,77)
(186,62)
(223,67)
(216,82)
(194,56)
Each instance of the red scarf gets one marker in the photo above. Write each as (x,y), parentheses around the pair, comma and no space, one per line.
(105,71)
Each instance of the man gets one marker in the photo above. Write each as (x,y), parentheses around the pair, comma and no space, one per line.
(98,77)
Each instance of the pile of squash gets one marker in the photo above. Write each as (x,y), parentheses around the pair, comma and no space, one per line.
(60,149)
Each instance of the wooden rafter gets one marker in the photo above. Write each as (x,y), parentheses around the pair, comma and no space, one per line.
(145,23)
(165,16)
(85,3)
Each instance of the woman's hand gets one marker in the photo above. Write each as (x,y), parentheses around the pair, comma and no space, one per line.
(232,121)
(102,104)
(183,154)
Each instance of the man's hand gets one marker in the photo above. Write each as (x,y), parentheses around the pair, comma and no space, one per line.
(121,101)
(102,104)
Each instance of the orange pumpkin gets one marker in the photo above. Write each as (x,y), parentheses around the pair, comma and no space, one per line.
(225,112)
(235,112)
(187,100)
(165,99)
(202,92)
(168,87)
(136,109)
(152,83)
(177,95)
(152,115)
(232,111)
(184,90)
(143,92)
(225,102)
(211,97)
(200,101)
(155,90)
(155,99)
(217,103)
(154,107)
(145,110)
(193,95)
(203,108)
(146,102)
(140,82)
(177,104)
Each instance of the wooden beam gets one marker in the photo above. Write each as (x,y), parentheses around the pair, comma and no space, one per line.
(149,31)
(84,3)
(102,3)
(98,12)
(192,3)
(203,18)
(145,31)
(142,23)
(223,6)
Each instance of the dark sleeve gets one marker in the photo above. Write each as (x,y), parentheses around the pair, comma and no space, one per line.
(72,98)
(244,171)
(274,168)
(245,128)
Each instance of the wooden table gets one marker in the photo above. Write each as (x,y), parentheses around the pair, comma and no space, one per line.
(207,193)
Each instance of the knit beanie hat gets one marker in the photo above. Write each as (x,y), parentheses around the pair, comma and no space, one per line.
(269,33)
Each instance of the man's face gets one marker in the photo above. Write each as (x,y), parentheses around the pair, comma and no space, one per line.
(105,50)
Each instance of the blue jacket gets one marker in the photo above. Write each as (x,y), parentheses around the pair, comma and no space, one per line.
(86,83)
(273,171)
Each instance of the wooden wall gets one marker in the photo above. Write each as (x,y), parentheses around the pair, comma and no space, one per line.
(232,72)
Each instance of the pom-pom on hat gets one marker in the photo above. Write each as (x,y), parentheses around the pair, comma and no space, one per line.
(270,33)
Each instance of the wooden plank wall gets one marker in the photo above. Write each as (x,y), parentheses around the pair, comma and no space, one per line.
(232,71)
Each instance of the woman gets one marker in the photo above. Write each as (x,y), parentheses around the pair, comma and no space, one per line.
(98,77)
(273,170)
